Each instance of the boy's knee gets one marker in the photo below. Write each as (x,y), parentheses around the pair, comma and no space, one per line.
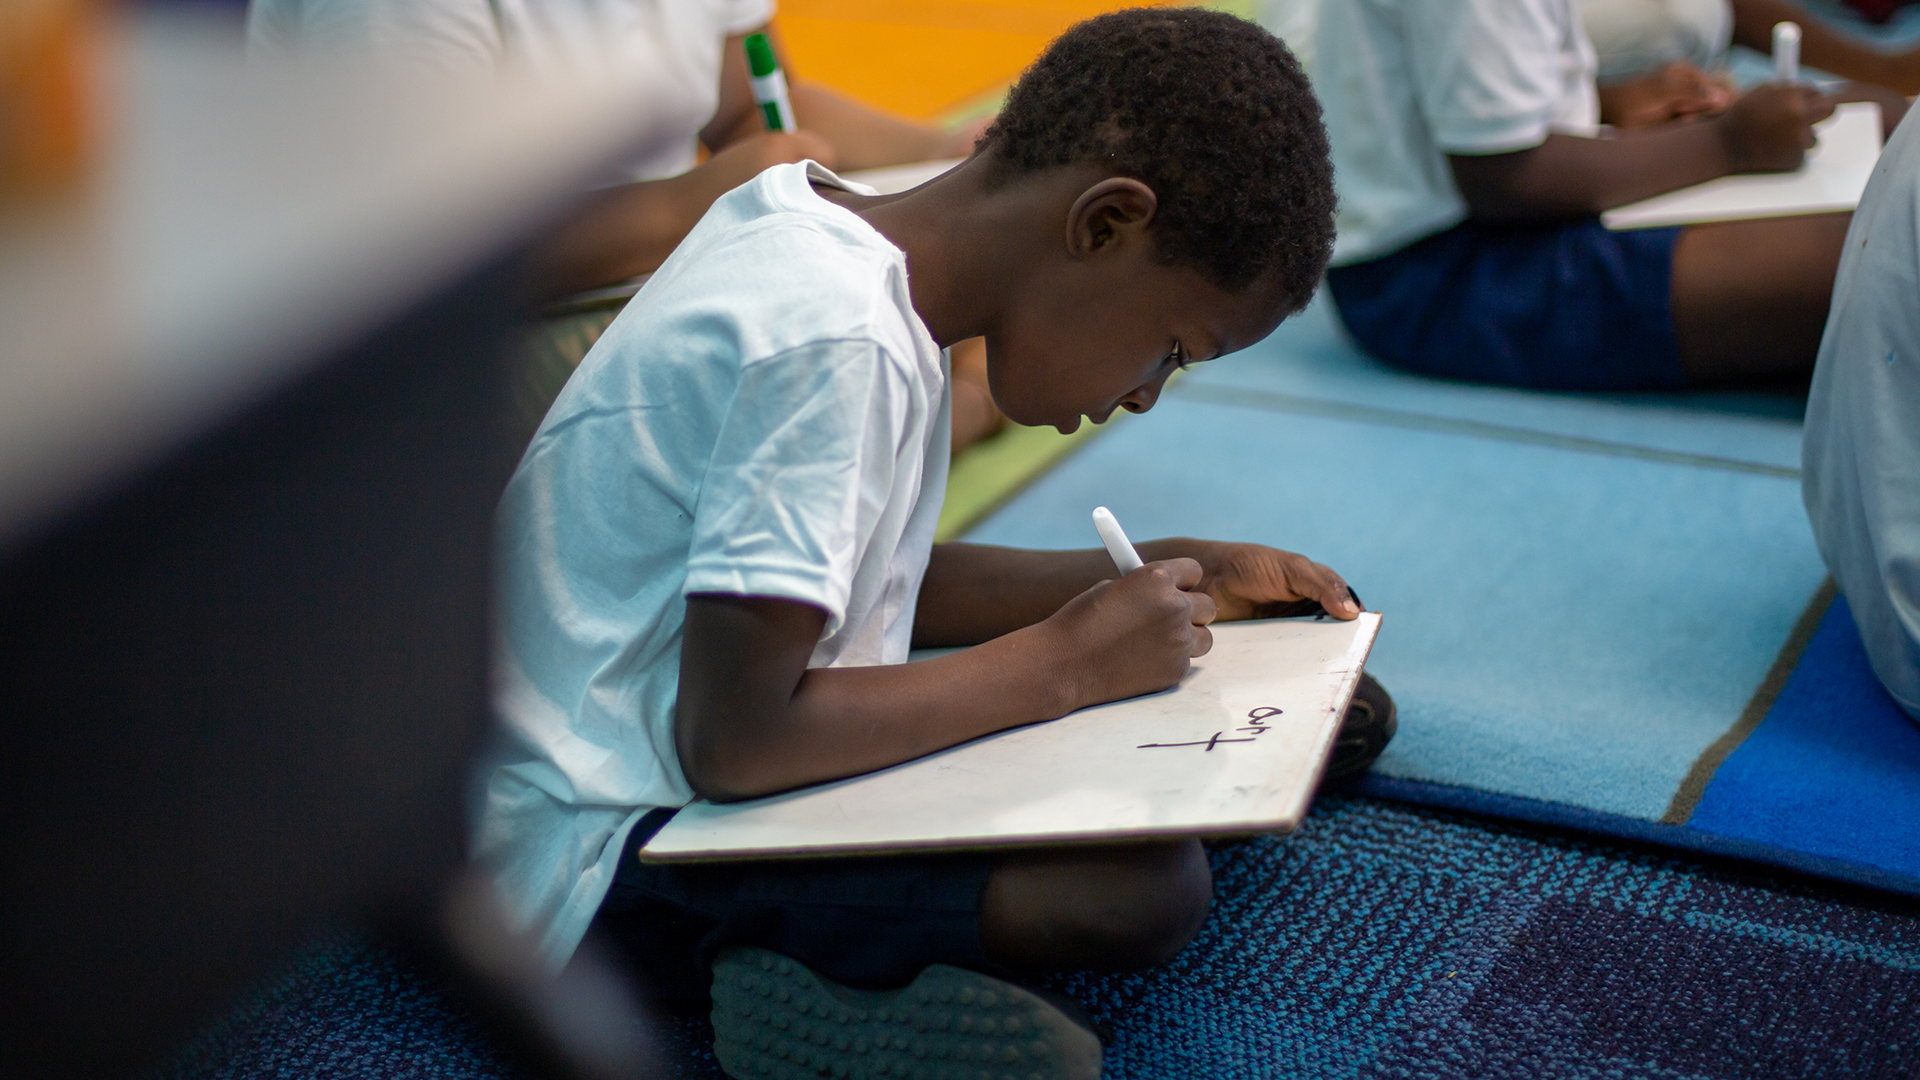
(1110,909)
(1161,910)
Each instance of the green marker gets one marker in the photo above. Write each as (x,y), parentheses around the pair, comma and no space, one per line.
(769,85)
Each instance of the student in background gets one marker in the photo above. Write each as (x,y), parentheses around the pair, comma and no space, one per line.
(690,53)
(1860,464)
(720,544)
(1633,39)
(1472,170)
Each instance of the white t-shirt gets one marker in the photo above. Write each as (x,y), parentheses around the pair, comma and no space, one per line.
(769,417)
(1406,82)
(675,45)
(1860,462)
(1638,37)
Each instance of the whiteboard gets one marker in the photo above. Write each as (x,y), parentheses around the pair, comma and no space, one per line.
(1831,179)
(1237,747)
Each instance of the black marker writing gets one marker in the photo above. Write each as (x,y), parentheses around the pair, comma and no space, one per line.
(1208,743)
(1256,723)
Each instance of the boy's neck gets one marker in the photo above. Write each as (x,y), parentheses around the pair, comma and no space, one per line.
(970,245)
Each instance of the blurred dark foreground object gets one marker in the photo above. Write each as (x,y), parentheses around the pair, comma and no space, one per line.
(252,428)
(242,695)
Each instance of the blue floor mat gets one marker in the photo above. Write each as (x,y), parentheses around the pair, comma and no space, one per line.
(1833,770)
(1378,941)
(1582,597)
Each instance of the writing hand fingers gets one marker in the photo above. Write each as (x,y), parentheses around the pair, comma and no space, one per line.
(1201,609)
(1183,573)
(1820,106)
(1202,641)
(1322,584)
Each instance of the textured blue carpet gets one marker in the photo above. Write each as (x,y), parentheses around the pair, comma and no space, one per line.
(1585,597)
(1379,941)
(341,1009)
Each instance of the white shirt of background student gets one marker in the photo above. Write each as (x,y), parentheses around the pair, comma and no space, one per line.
(1860,464)
(690,54)
(1407,82)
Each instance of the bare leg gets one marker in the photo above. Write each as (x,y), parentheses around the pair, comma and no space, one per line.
(1750,298)
(1118,907)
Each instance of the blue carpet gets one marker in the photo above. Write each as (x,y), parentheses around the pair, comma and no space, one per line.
(1833,770)
(342,1008)
(1583,596)
(1378,941)
(1827,782)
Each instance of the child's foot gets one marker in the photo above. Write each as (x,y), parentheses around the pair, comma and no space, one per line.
(773,1017)
(1365,731)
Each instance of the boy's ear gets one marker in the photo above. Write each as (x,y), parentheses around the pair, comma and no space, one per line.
(1115,209)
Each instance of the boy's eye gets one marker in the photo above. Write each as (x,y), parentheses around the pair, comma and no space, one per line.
(1178,357)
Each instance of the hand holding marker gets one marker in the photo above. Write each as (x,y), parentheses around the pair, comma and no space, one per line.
(769,85)
(1786,52)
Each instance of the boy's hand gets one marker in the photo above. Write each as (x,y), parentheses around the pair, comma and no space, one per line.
(1253,581)
(745,158)
(1771,128)
(1675,92)
(1137,635)
(1893,107)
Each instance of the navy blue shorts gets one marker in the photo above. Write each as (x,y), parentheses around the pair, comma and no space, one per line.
(1564,305)
(872,922)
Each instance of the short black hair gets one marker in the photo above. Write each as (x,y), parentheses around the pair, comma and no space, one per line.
(1210,111)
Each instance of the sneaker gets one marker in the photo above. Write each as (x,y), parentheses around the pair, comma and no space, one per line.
(1365,731)
(773,1017)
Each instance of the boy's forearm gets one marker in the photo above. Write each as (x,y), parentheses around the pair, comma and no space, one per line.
(1568,175)
(631,229)
(752,719)
(975,592)
(624,231)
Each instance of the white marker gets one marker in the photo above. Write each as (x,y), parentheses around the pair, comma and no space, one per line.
(1118,546)
(1786,52)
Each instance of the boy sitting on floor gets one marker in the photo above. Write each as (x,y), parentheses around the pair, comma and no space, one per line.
(1472,172)
(719,546)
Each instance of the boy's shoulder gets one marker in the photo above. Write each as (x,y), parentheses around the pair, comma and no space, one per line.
(771,268)
(773,242)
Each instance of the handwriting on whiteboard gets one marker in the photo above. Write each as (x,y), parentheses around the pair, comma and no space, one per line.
(1256,726)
